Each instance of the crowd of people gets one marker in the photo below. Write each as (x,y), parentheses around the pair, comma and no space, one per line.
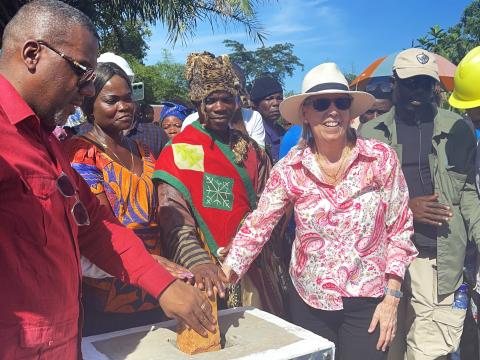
(359,221)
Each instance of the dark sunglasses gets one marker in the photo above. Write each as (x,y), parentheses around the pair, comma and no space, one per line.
(384,87)
(417,82)
(323,104)
(85,74)
(78,210)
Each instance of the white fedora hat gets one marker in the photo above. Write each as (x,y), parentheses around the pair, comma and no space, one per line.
(324,79)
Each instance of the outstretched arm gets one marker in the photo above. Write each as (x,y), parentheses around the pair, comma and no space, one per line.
(258,226)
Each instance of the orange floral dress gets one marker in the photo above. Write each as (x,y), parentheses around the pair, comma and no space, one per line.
(133,200)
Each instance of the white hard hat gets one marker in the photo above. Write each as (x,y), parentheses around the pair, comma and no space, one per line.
(120,61)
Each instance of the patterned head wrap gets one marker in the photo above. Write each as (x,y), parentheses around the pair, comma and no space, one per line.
(172,109)
(207,73)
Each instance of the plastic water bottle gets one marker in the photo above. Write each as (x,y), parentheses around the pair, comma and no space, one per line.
(460,301)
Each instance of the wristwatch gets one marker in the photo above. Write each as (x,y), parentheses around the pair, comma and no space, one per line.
(395,293)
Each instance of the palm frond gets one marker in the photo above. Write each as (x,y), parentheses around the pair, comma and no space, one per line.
(180,17)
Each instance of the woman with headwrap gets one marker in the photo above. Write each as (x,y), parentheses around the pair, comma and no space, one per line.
(171,118)
(209,179)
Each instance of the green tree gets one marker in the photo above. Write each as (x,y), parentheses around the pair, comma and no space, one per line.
(434,39)
(470,22)
(131,37)
(277,60)
(454,42)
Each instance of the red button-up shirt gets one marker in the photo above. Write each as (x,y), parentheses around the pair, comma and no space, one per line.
(40,243)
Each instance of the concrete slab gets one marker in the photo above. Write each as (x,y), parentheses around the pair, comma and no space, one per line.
(247,333)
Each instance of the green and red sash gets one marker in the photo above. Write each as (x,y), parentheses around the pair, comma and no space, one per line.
(203,170)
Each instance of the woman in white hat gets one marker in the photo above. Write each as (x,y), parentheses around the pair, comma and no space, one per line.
(352,242)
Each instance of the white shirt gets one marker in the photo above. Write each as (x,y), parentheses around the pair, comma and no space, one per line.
(253,124)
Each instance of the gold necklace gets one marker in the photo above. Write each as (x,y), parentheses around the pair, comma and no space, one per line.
(105,147)
(344,157)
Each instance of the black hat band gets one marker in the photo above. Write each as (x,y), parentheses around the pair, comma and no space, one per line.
(328,86)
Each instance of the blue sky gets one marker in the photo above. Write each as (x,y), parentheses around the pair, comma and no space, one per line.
(351,33)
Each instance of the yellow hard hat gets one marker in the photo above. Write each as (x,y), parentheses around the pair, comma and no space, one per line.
(466,94)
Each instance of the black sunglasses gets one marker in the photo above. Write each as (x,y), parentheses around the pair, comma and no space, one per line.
(86,74)
(417,82)
(323,104)
(384,87)
(78,210)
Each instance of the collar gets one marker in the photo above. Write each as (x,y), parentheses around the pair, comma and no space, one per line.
(439,127)
(442,126)
(307,157)
(13,105)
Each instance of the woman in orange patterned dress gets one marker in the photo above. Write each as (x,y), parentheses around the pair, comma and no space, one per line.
(118,170)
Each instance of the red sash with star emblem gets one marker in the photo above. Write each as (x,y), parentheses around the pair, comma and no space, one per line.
(219,191)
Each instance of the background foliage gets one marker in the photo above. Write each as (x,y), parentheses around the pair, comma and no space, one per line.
(453,43)
(277,60)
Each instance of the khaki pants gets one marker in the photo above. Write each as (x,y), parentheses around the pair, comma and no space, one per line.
(428,328)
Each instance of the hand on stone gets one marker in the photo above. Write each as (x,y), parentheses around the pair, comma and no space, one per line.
(427,210)
(188,305)
(210,277)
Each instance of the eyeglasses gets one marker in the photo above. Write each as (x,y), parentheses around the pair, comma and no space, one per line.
(384,87)
(85,74)
(78,210)
(417,82)
(323,104)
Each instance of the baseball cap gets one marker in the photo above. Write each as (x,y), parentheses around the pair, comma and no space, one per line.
(414,62)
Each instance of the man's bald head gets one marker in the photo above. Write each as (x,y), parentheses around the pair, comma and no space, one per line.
(48,20)
(47,47)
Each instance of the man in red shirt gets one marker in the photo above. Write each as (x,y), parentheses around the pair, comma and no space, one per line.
(48,216)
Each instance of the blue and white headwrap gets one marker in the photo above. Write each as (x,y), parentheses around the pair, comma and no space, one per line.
(172,109)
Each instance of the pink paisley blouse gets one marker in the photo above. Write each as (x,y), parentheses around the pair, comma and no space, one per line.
(348,237)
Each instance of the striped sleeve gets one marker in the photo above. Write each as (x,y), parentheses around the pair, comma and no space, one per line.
(179,230)
(185,249)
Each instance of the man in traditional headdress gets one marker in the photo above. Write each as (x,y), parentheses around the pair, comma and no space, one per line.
(246,120)
(208,181)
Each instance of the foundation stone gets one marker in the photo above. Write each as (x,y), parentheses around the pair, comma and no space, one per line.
(246,333)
